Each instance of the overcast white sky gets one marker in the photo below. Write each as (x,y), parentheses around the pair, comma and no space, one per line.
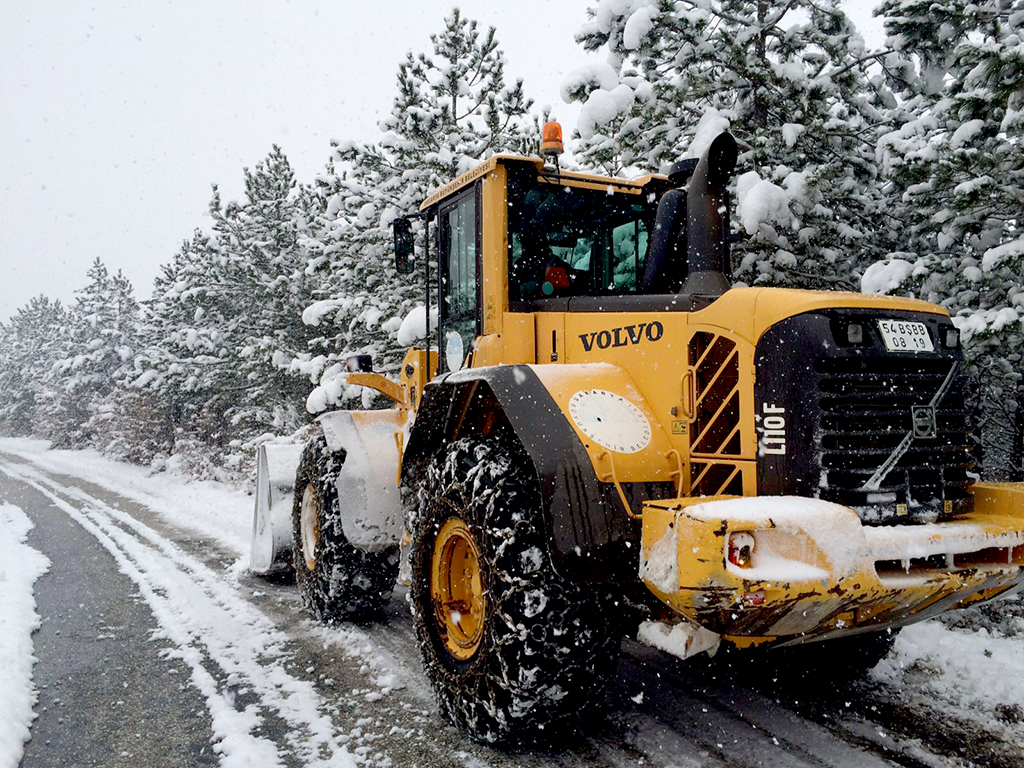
(115,117)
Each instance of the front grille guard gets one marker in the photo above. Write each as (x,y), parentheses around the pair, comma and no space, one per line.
(893,437)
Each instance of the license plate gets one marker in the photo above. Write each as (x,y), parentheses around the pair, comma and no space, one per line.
(904,336)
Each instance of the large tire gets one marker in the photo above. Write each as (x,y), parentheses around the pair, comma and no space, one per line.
(337,580)
(514,652)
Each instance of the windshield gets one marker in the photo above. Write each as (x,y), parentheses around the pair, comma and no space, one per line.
(575,241)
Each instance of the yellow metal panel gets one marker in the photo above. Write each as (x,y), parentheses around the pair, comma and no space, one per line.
(650,346)
(494,249)
(464,180)
(378,382)
(749,312)
(998,499)
(549,337)
(654,349)
(414,375)
(775,304)
(513,346)
(469,177)
(650,463)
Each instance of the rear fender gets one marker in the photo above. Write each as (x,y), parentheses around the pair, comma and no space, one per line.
(371,511)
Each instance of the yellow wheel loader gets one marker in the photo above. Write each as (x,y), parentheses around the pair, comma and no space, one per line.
(600,421)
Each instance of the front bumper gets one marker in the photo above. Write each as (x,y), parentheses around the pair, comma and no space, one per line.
(816,571)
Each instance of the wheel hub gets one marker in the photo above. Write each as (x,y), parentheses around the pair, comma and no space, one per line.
(456,588)
(309,525)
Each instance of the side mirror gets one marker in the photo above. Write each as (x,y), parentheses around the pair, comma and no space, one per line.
(359,364)
(405,260)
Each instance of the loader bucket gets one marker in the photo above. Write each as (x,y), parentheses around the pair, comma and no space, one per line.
(371,512)
(271,548)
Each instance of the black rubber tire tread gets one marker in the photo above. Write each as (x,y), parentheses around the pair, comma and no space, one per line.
(348,583)
(549,646)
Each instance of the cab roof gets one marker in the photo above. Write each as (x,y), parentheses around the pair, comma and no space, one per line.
(493,162)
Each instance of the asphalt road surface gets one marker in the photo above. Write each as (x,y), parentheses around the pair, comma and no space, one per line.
(155,644)
(106,695)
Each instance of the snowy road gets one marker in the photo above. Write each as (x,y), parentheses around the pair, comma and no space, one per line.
(157,648)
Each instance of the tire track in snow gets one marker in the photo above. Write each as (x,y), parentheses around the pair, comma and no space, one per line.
(709,722)
(228,644)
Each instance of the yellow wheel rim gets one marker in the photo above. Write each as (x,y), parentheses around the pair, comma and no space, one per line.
(457,589)
(309,525)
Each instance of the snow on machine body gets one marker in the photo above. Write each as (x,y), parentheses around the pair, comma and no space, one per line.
(603,422)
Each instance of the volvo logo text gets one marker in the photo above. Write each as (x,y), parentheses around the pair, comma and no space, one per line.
(622,337)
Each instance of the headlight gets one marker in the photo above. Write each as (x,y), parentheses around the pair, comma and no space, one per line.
(950,338)
(855,334)
(740,548)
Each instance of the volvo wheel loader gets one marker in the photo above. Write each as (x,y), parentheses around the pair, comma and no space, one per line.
(600,421)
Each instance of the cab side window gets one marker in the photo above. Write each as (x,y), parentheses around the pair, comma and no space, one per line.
(459,279)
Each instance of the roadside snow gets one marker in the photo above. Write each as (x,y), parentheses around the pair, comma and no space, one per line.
(20,566)
(974,674)
(211,509)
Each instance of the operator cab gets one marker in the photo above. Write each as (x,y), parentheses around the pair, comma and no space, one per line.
(519,235)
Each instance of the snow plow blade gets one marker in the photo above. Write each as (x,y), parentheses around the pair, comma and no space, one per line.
(784,570)
(271,547)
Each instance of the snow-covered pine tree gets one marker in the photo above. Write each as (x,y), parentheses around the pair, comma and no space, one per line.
(30,344)
(225,320)
(263,242)
(956,164)
(789,80)
(184,355)
(100,346)
(453,108)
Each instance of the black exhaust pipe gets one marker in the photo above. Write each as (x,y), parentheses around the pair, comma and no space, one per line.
(707,220)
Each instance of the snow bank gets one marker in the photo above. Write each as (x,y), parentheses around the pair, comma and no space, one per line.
(20,566)
(213,632)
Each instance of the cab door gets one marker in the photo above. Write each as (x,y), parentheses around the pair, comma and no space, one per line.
(459,270)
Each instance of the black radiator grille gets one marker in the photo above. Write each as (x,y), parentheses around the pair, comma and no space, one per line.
(866,412)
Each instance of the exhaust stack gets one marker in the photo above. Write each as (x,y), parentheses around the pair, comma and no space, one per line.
(707,217)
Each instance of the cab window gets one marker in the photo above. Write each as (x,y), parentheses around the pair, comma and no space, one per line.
(459,279)
(574,241)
